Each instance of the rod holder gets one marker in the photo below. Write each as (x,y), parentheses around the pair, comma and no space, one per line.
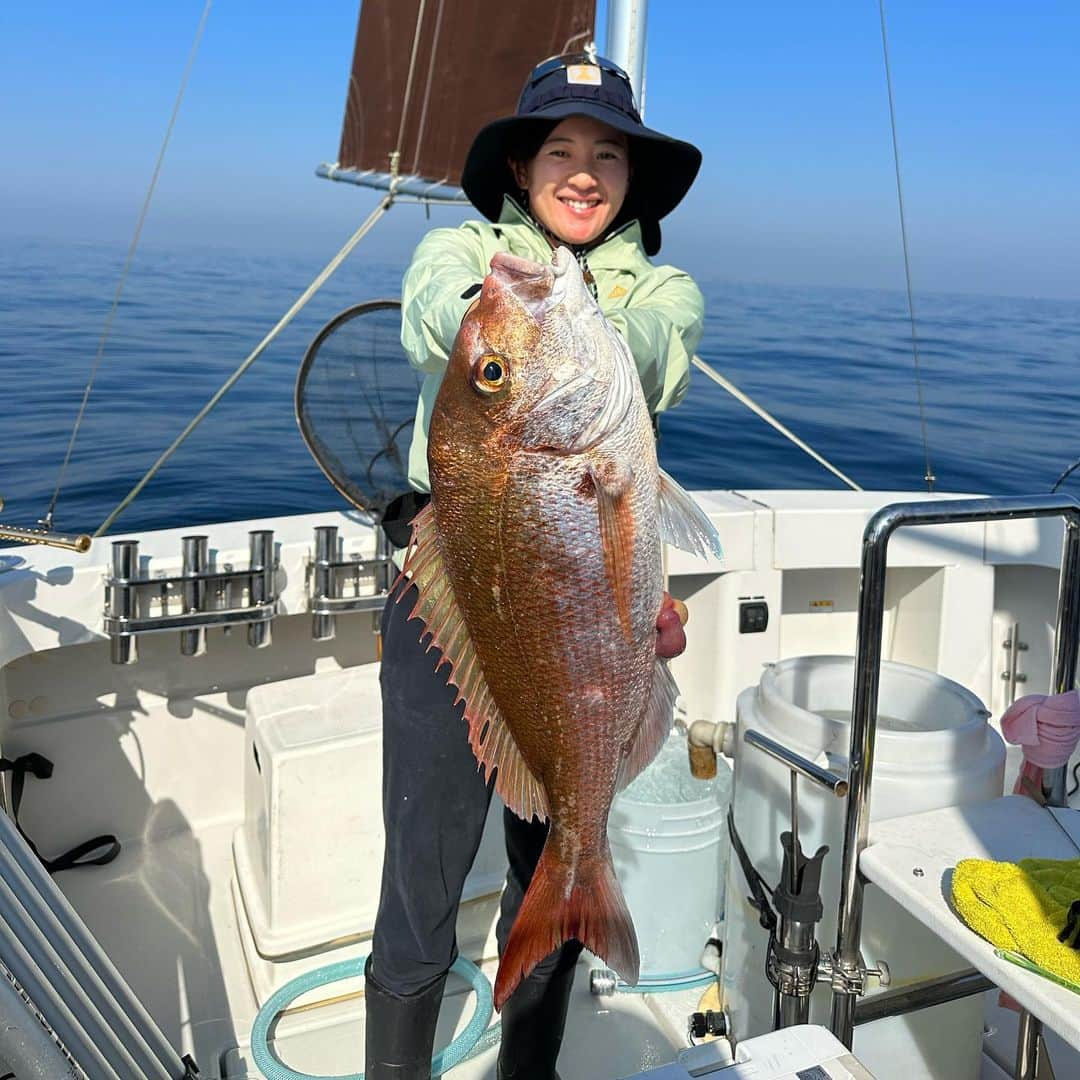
(121,598)
(196,552)
(261,547)
(190,600)
(323,625)
(328,573)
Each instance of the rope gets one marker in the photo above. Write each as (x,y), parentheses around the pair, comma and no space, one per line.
(422,126)
(284,321)
(929,474)
(395,156)
(769,419)
(107,329)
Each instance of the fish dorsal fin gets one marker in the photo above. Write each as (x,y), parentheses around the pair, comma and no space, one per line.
(683,523)
(611,481)
(655,724)
(489,737)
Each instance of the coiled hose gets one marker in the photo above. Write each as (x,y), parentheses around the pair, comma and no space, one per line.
(476,1037)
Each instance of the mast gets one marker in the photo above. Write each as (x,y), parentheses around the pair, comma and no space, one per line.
(625,42)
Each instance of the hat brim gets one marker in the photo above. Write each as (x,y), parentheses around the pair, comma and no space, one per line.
(663,167)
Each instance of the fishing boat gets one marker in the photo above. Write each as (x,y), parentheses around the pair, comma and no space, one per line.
(190,857)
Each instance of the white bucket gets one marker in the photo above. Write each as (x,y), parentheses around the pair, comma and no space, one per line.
(934,748)
(669,841)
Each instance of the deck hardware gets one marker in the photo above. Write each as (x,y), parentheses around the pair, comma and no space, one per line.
(197,598)
(831,781)
(337,585)
(1013,647)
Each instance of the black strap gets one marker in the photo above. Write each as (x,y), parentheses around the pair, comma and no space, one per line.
(758,888)
(107,846)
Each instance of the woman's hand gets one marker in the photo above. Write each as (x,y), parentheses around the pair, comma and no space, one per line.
(670,636)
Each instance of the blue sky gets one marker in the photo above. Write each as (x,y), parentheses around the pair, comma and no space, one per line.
(786,99)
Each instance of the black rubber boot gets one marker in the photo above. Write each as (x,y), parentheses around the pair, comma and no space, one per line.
(399,1031)
(533,1020)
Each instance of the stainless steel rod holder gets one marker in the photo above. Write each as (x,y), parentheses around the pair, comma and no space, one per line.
(830,781)
(323,626)
(191,600)
(871,609)
(261,546)
(196,559)
(122,600)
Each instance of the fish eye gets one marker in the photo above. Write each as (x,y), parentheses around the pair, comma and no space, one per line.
(489,373)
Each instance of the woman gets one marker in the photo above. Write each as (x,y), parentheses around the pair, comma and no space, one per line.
(576,167)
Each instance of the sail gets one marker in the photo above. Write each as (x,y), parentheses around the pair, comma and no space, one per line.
(428,74)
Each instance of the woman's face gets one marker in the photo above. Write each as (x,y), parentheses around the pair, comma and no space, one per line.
(577,182)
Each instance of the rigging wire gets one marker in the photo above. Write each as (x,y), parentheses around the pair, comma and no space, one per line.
(395,155)
(308,293)
(769,419)
(929,474)
(225,387)
(46,521)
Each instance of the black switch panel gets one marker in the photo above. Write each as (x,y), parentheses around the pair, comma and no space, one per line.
(753,617)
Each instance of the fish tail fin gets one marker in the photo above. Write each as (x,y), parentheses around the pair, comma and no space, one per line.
(558,906)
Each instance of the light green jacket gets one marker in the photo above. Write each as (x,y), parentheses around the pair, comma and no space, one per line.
(658,309)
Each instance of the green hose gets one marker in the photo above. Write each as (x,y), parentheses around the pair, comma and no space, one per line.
(476,1037)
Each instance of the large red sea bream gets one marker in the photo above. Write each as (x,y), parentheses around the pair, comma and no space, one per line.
(538,563)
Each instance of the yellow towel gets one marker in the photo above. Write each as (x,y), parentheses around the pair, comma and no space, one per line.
(1022,907)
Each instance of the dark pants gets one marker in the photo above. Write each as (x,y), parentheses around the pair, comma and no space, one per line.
(435,803)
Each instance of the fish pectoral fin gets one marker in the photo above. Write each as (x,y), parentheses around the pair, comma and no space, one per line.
(683,523)
(489,737)
(655,725)
(611,480)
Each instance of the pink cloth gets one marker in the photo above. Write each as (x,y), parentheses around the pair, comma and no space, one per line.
(1046,726)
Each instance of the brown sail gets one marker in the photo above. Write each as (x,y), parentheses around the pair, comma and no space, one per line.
(428,74)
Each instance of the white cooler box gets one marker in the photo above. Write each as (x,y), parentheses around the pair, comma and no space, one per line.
(308,856)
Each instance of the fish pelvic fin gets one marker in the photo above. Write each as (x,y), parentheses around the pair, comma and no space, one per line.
(611,480)
(683,523)
(655,725)
(560,905)
(492,743)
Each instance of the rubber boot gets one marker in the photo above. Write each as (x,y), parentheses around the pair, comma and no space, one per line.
(533,1020)
(399,1031)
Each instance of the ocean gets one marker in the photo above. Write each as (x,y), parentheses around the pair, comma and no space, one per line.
(999,383)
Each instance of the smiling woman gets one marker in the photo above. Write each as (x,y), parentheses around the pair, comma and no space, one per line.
(576,183)
(573,168)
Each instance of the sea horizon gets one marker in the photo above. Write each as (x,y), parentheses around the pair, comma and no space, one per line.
(834,363)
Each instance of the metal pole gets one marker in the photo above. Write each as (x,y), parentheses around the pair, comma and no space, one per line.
(1062,680)
(625,42)
(838,785)
(922,995)
(43,895)
(847,960)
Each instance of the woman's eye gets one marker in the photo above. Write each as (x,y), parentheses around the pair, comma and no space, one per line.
(489,373)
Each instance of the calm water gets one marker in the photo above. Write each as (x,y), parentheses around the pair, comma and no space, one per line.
(999,381)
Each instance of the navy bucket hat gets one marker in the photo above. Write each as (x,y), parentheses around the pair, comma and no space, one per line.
(579,84)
